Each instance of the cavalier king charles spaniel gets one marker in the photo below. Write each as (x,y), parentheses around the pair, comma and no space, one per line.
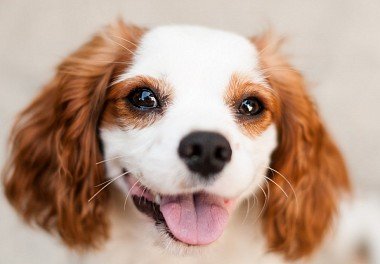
(178,144)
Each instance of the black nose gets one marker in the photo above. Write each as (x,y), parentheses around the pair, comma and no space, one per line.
(205,153)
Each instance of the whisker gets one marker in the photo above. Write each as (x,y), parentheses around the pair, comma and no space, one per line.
(126,198)
(246,212)
(107,185)
(267,186)
(123,156)
(290,185)
(265,202)
(277,185)
(117,43)
(130,42)
(98,185)
(255,200)
(249,207)
(106,160)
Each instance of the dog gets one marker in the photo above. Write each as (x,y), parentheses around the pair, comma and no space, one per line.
(177,144)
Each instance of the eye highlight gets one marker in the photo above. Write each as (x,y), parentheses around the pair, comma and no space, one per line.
(251,106)
(143,99)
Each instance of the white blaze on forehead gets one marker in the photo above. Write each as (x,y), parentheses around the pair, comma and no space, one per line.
(198,64)
(190,56)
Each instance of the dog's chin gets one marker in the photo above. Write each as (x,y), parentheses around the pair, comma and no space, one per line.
(187,222)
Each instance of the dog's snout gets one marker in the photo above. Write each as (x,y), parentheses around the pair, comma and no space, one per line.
(205,153)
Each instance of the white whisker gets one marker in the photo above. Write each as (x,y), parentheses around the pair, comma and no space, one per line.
(106,160)
(290,185)
(114,179)
(246,212)
(105,182)
(126,198)
(130,42)
(267,185)
(265,203)
(117,43)
(255,200)
(123,156)
(269,179)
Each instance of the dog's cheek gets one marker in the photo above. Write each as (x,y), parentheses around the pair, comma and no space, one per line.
(121,149)
(250,161)
(161,165)
(150,153)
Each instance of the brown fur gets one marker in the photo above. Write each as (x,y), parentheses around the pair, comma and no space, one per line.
(119,112)
(52,168)
(306,156)
(240,88)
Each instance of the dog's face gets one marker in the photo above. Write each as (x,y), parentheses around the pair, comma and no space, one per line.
(183,120)
(202,126)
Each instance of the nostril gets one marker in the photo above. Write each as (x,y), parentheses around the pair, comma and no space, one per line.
(222,154)
(196,151)
(191,151)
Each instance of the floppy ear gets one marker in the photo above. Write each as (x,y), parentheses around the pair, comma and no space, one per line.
(306,157)
(52,171)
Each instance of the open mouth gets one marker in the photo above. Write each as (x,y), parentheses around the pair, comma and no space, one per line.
(194,219)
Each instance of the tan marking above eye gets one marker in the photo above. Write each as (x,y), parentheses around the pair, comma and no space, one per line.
(119,111)
(241,88)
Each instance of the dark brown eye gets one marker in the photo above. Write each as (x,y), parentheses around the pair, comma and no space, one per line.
(143,98)
(251,106)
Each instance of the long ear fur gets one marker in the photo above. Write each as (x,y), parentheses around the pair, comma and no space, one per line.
(52,171)
(306,157)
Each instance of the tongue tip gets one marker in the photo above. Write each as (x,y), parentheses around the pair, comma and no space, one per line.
(211,229)
(206,233)
(196,222)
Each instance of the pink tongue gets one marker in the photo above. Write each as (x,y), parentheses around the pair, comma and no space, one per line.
(195,219)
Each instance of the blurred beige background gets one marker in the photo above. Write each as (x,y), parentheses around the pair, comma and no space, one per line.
(336,44)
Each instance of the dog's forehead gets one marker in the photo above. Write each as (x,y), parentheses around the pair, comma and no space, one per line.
(191,56)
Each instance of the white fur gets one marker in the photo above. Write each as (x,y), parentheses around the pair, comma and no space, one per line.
(198,64)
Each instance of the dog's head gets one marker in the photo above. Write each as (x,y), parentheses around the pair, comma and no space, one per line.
(186,121)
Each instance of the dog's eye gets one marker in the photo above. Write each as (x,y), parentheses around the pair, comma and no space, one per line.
(251,106)
(143,98)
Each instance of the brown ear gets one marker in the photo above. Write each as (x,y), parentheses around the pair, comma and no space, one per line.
(306,156)
(52,171)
